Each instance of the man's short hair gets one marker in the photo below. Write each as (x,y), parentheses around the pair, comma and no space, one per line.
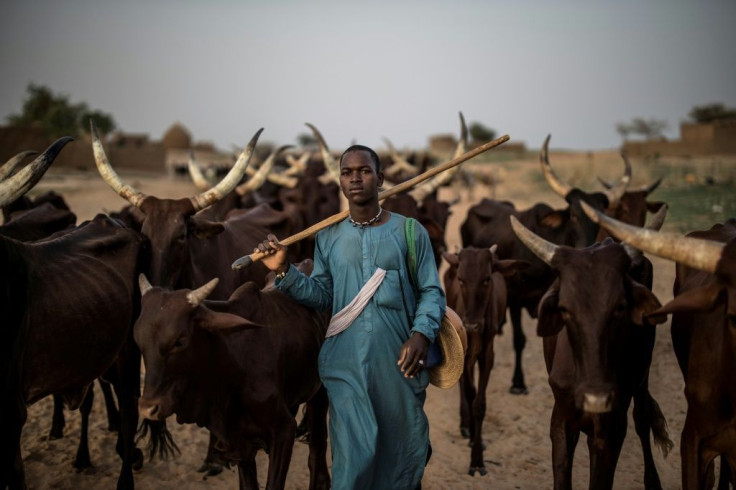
(371,153)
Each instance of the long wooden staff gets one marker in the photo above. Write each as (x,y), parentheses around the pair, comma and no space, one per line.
(247,260)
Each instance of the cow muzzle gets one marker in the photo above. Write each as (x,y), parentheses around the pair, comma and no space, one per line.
(597,403)
(150,409)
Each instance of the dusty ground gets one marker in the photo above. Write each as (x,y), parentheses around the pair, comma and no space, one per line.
(518,454)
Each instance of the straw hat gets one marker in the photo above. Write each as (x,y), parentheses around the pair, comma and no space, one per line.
(453,343)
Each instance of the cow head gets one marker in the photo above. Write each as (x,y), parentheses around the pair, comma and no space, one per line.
(473,271)
(586,230)
(168,223)
(596,300)
(175,335)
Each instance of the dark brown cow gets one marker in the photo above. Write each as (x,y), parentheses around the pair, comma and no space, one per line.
(48,325)
(476,290)
(487,223)
(240,368)
(704,338)
(598,343)
(186,250)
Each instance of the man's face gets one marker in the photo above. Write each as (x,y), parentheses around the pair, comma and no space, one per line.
(358,178)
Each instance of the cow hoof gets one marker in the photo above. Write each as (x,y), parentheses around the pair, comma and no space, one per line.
(480,469)
(137,459)
(518,390)
(465,432)
(56,434)
(211,469)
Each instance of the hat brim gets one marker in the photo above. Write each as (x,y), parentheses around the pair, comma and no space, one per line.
(447,374)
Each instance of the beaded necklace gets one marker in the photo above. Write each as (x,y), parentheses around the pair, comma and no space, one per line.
(363,224)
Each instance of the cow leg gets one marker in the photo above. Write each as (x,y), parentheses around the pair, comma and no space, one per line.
(485,364)
(564,440)
(82,461)
(247,471)
(319,476)
(467,395)
(302,430)
(57,422)
(127,390)
(692,478)
(113,416)
(604,452)
(211,464)
(725,477)
(12,418)
(282,445)
(518,386)
(648,417)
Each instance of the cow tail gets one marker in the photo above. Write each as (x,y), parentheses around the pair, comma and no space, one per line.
(161,442)
(659,428)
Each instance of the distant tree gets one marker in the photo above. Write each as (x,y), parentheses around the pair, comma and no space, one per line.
(56,115)
(480,133)
(624,130)
(306,139)
(648,129)
(711,112)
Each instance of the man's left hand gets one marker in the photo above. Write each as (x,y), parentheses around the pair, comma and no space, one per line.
(413,355)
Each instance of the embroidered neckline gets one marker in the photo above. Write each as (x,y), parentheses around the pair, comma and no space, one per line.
(363,224)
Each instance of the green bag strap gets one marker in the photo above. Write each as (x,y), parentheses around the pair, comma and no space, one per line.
(409,225)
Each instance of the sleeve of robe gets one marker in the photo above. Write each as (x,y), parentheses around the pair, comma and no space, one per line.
(431,301)
(314,291)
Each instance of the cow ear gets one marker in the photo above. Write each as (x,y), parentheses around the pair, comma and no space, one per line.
(700,299)
(204,228)
(217,322)
(451,258)
(645,306)
(550,321)
(510,267)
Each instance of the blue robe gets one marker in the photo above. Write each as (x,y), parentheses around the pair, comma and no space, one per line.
(379,432)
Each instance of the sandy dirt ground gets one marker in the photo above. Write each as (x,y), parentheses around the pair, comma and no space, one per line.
(518,454)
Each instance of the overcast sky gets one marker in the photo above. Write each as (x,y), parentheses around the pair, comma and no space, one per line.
(366,70)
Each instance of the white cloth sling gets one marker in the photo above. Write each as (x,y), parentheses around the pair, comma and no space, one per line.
(345,317)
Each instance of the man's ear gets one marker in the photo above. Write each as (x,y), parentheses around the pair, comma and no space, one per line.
(380,178)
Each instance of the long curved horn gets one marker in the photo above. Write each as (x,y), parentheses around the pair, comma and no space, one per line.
(198,295)
(195,172)
(332,166)
(13,163)
(21,182)
(654,224)
(558,185)
(432,185)
(539,246)
(259,177)
(297,166)
(109,175)
(400,163)
(230,181)
(693,252)
(614,194)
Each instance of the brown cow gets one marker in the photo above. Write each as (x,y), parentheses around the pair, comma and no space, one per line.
(240,368)
(476,290)
(58,339)
(704,338)
(487,223)
(598,343)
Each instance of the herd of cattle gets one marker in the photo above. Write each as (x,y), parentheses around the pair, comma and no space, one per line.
(224,350)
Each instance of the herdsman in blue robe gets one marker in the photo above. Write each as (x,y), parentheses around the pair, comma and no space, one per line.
(373,368)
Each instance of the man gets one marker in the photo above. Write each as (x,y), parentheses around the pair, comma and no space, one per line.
(372,362)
